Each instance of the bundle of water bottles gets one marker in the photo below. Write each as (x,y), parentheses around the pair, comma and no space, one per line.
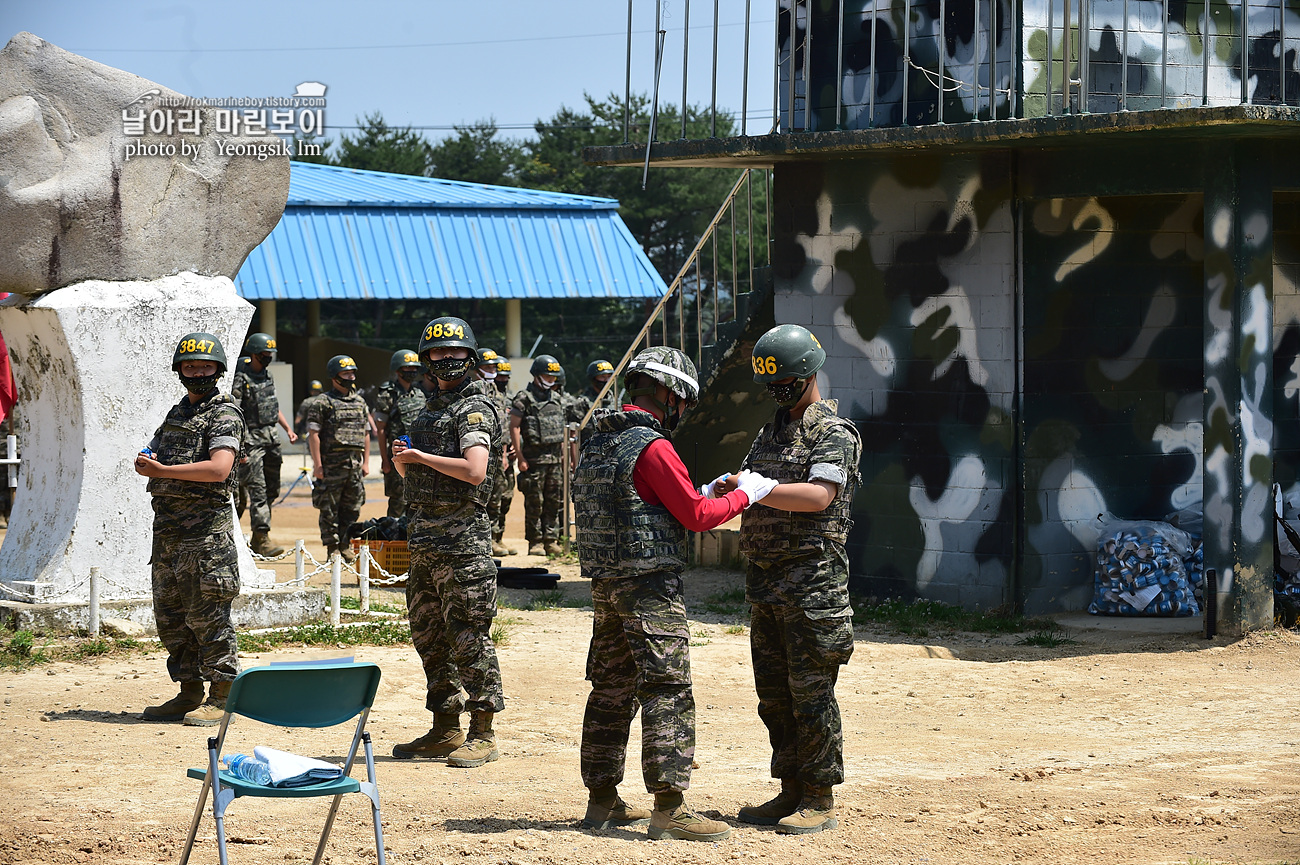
(1148,568)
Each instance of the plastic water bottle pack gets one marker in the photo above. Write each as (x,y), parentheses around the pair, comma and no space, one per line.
(1147,569)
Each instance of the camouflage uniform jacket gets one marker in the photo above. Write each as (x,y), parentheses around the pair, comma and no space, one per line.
(821,446)
(342,421)
(189,435)
(397,408)
(254,392)
(619,533)
(541,430)
(453,421)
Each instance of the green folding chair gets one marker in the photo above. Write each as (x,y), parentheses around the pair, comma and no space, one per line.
(321,695)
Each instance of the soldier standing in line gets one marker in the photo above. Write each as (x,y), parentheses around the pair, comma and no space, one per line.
(801,625)
(314,389)
(634,503)
(195,566)
(396,404)
(488,360)
(598,372)
(506,493)
(451,589)
(338,435)
(259,467)
(537,433)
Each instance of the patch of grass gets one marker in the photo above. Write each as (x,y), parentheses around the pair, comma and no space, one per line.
(1046,638)
(729,603)
(569,558)
(734,629)
(503,629)
(918,617)
(21,651)
(346,603)
(554,599)
(324,634)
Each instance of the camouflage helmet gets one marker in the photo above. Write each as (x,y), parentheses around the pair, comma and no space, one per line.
(447,332)
(545,364)
(668,366)
(314,386)
(488,357)
(503,365)
(599,367)
(260,343)
(338,363)
(403,357)
(786,351)
(198,346)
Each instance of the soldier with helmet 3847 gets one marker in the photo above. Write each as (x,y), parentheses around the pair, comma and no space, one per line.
(801,626)
(190,465)
(451,588)
(338,436)
(537,431)
(259,464)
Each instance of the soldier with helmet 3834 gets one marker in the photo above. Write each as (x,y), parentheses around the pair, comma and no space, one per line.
(452,584)
(259,464)
(195,570)
(801,626)
(338,436)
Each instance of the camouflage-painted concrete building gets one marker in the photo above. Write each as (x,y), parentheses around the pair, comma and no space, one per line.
(1056,278)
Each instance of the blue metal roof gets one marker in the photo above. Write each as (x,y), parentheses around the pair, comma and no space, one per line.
(352,234)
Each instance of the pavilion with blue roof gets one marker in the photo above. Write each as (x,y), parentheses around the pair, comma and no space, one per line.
(370,235)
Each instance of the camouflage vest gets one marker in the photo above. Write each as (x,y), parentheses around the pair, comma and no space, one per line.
(183,439)
(343,424)
(785,456)
(543,422)
(404,409)
(257,396)
(619,533)
(437,431)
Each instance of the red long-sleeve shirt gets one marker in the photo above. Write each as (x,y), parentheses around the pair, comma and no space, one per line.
(660,478)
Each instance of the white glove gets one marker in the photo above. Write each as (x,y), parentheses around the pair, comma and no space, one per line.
(708,490)
(754,485)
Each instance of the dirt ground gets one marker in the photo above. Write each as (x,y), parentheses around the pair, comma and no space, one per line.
(1128,745)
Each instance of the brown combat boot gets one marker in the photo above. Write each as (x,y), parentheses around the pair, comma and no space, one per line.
(554,549)
(190,697)
(607,810)
(498,541)
(480,745)
(816,812)
(213,708)
(444,737)
(536,549)
(771,811)
(261,544)
(349,555)
(682,823)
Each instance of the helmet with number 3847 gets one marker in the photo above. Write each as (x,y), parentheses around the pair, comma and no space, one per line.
(787,351)
(198,346)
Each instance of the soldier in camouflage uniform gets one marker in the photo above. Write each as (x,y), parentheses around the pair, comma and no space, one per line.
(195,567)
(451,588)
(801,626)
(537,432)
(314,389)
(488,360)
(338,435)
(259,466)
(396,404)
(506,493)
(634,502)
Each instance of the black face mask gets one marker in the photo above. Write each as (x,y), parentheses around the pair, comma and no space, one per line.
(786,395)
(348,385)
(450,368)
(200,384)
(408,375)
(265,359)
(502,383)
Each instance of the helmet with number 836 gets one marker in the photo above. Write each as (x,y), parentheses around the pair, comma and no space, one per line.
(338,363)
(787,351)
(448,332)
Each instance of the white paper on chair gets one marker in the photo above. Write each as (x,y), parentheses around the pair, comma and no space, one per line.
(291,770)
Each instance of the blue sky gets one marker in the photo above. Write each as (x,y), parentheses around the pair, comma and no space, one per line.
(427,64)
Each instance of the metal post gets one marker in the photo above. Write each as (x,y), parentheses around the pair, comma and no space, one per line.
(776,73)
(839,66)
(993,61)
(94,604)
(1085,22)
(1164,52)
(686,53)
(363,576)
(943,50)
(733,258)
(1281,28)
(1245,51)
(627,82)
(871,87)
(299,566)
(794,33)
(975,67)
(1067,46)
(807,68)
(767,202)
(654,102)
(907,55)
(744,85)
(336,587)
(1123,61)
(1048,91)
(1205,55)
(699,314)
(713,103)
(715,286)
(749,217)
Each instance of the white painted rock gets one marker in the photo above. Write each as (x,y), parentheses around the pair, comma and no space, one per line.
(74,207)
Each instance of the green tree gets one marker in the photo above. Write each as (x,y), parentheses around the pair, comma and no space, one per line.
(475,154)
(379,147)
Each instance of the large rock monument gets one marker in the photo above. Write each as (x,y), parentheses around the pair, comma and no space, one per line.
(123,224)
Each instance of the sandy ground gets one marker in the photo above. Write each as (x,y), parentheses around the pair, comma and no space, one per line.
(1130,745)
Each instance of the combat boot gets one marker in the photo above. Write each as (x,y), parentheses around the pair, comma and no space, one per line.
(444,737)
(816,812)
(684,824)
(480,745)
(190,698)
(261,544)
(535,548)
(349,555)
(498,546)
(607,810)
(213,708)
(554,549)
(771,811)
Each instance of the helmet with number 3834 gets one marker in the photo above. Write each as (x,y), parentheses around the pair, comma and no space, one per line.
(787,351)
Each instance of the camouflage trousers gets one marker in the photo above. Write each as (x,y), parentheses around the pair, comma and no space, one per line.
(543,490)
(260,479)
(503,490)
(451,598)
(395,489)
(194,581)
(338,496)
(797,658)
(639,656)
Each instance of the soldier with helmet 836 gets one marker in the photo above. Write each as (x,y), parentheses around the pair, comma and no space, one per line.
(452,585)
(190,463)
(259,465)
(338,436)
(801,626)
